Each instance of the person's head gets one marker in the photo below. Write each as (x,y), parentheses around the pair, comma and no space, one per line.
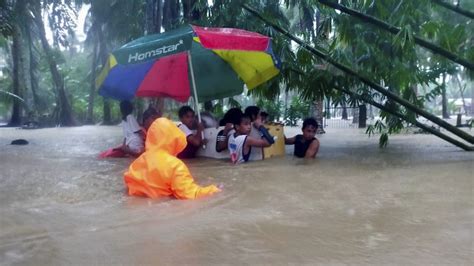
(264,117)
(231,116)
(149,116)
(243,125)
(186,116)
(252,112)
(126,108)
(310,126)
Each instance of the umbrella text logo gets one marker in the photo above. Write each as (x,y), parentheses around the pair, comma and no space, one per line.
(153,53)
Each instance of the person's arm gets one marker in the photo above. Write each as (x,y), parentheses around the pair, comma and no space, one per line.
(184,187)
(222,144)
(290,141)
(263,132)
(253,142)
(196,139)
(312,150)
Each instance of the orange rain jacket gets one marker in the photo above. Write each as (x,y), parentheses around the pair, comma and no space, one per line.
(157,172)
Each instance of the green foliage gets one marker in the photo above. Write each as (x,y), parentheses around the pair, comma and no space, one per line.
(233,103)
(299,109)
(273,108)
(394,61)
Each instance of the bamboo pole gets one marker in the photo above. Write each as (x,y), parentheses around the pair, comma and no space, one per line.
(460,133)
(395,30)
(454,8)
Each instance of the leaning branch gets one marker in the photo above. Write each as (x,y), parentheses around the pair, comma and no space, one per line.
(408,105)
(395,30)
(454,8)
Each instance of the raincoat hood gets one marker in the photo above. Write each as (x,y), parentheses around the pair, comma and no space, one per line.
(157,172)
(163,134)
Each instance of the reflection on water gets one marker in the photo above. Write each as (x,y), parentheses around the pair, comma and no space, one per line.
(411,203)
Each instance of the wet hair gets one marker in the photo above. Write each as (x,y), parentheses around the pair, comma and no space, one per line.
(231,116)
(241,118)
(252,111)
(184,110)
(310,122)
(150,112)
(126,108)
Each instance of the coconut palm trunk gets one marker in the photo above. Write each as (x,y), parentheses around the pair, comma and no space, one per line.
(444,99)
(65,114)
(318,114)
(92,90)
(18,85)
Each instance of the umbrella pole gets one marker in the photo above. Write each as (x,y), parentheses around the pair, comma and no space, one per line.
(196,102)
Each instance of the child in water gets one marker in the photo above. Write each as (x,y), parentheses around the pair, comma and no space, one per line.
(187,117)
(227,122)
(240,143)
(253,112)
(306,145)
(133,142)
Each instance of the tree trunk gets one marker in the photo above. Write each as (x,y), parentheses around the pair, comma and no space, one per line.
(318,114)
(107,114)
(153,22)
(444,99)
(32,69)
(408,105)
(92,91)
(17,83)
(344,111)
(170,13)
(462,89)
(395,30)
(66,117)
(107,119)
(472,100)
(187,10)
(362,116)
(154,16)
(159,19)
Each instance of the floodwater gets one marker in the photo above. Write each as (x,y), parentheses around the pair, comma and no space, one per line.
(408,204)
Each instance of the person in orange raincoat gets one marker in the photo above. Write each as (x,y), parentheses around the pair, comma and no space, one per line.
(157,172)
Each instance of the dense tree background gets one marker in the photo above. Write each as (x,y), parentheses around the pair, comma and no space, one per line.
(52,79)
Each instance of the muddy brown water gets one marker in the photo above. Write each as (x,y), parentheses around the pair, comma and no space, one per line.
(411,203)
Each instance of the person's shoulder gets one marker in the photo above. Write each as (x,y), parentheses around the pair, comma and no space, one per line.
(130,117)
(231,133)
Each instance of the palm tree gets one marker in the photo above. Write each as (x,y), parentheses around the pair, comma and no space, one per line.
(65,115)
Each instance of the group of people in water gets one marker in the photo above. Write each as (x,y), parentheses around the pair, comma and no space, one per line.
(160,145)
(244,134)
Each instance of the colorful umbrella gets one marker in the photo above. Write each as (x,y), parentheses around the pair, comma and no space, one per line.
(214,62)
